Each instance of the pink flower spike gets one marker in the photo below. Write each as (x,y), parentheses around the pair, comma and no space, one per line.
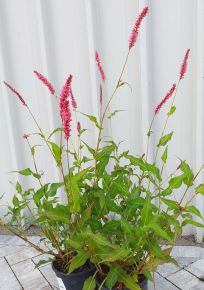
(25,136)
(17,93)
(78,127)
(165,99)
(135,31)
(184,64)
(98,62)
(65,111)
(74,103)
(45,82)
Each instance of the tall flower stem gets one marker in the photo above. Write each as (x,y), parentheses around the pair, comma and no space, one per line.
(148,137)
(166,122)
(108,103)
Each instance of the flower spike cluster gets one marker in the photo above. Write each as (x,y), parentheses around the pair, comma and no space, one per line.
(74,103)
(25,136)
(65,111)
(78,127)
(184,64)
(45,82)
(165,99)
(135,31)
(17,93)
(98,62)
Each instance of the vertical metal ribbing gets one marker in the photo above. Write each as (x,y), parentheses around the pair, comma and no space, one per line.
(199,116)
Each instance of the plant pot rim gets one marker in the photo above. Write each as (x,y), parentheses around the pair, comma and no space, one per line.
(58,273)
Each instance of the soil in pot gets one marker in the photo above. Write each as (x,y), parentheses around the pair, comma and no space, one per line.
(74,280)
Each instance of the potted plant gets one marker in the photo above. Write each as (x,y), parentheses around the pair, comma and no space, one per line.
(118,222)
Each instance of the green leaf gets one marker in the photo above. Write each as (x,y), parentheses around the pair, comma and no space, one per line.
(53,132)
(136,203)
(101,240)
(146,212)
(156,249)
(57,214)
(57,152)
(159,231)
(53,188)
(39,194)
(164,155)
(89,284)
(114,113)
(200,189)
(148,275)
(165,139)
(128,280)
(103,158)
(194,210)
(172,204)
(166,191)
(111,226)
(176,182)
(94,224)
(15,200)
(75,197)
(172,111)
(144,166)
(116,254)
(78,260)
(121,83)
(26,172)
(119,186)
(79,176)
(112,277)
(192,222)
(92,119)
(43,262)
(188,180)
(18,187)
(91,150)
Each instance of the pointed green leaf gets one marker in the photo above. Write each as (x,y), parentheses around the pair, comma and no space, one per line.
(200,189)
(192,222)
(78,260)
(89,284)
(165,139)
(164,155)
(112,277)
(172,111)
(194,210)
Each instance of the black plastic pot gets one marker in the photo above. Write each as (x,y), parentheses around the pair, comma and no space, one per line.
(72,281)
(143,285)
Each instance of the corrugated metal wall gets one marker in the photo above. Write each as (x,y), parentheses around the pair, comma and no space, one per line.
(60,37)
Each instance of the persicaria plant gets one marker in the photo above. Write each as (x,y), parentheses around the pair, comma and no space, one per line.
(118,215)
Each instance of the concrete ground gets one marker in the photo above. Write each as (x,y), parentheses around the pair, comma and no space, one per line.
(18,260)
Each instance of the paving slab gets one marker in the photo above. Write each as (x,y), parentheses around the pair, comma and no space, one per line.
(188,251)
(11,249)
(18,259)
(197,269)
(185,261)
(186,281)
(24,254)
(45,257)
(49,275)
(161,284)
(29,277)
(8,281)
(167,269)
